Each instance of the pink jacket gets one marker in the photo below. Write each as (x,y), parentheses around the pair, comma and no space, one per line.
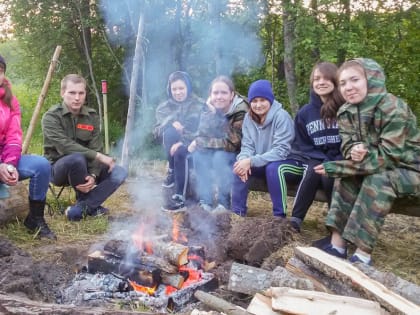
(10,130)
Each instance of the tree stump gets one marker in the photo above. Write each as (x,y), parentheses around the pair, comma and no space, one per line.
(15,206)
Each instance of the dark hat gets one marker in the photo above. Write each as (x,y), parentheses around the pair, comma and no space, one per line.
(179,75)
(3,62)
(261,88)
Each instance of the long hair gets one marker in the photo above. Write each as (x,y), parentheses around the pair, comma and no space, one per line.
(8,91)
(334,100)
(226,80)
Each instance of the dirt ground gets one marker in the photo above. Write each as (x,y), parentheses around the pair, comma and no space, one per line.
(41,272)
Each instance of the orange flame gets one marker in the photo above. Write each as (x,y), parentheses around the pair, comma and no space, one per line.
(177,236)
(193,276)
(140,241)
(170,289)
(140,288)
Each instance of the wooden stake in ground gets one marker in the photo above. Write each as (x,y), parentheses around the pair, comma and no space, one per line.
(41,100)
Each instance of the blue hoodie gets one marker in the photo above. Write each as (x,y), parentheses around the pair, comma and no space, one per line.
(270,141)
(314,140)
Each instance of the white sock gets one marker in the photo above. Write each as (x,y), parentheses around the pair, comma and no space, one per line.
(363,258)
(341,250)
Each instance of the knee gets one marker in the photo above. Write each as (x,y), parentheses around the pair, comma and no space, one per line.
(119,174)
(78,159)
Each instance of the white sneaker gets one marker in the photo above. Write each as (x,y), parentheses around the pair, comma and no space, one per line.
(205,207)
(220,208)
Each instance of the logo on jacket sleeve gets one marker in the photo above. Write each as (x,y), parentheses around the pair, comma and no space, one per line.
(85,127)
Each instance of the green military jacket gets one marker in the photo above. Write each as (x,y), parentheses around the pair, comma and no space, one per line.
(384,124)
(65,134)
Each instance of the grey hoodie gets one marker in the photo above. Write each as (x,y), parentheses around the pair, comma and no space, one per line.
(270,141)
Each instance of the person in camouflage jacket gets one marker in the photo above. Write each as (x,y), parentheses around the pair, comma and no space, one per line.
(381,149)
(177,121)
(218,142)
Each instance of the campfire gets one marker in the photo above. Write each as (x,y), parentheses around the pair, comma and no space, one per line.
(162,272)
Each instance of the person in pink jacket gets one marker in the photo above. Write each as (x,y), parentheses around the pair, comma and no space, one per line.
(15,167)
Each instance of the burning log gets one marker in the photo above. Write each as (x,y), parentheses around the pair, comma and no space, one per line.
(347,273)
(174,280)
(219,304)
(175,253)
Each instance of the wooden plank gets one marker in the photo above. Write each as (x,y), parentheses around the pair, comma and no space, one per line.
(295,301)
(261,305)
(343,270)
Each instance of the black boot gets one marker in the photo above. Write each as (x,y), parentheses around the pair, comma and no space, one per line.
(35,221)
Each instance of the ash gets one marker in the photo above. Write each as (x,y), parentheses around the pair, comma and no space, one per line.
(99,289)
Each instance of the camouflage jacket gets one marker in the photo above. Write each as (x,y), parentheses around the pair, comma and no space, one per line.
(65,134)
(386,126)
(223,131)
(187,113)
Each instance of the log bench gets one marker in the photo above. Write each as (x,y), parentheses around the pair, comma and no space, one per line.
(407,206)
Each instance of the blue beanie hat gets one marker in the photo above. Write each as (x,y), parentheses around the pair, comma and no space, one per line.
(3,62)
(261,88)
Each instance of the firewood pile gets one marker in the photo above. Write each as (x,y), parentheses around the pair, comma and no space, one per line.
(313,282)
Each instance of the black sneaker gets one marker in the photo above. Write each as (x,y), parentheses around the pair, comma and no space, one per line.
(98,211)
(356,259)
(325,241)
(38,226)
(329,249)
(175,204)
(169,180)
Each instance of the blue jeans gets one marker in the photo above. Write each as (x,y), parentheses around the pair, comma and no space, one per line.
(38,170)
(214,168)
(276,173)
(72,170)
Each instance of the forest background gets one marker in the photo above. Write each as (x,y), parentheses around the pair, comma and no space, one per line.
(245,39)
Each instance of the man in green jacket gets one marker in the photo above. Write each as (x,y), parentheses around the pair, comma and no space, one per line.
(73,145)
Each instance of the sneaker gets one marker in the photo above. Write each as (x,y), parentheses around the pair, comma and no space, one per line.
(322,242)
(169,180)
(295,226)
(205,206)
(329,249)
(39,226)
(220,208)
(99,211)
(356,259)
(175,204)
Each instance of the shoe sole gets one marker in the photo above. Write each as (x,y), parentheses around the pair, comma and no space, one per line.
(183,209)
(168,186)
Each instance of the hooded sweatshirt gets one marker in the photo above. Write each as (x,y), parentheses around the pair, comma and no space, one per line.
(187,113)
(270,141)
(313,138)
(223,131)
(383,123)
(10,129)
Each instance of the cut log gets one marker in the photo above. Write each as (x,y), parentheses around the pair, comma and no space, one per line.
(175,253)
(346,272)
(13,304)
(261,305)
(219,304)
(321,282)
(174,280)
(250,280)
(400,286)
(306,302)
(16,205)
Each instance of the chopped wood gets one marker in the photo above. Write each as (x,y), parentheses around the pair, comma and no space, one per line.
(344,271)
(174,280)
(295,301)
(400,286)
(250,280)
(158,262)
(219,304)
(261,305)
(321,282)
(175,253)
